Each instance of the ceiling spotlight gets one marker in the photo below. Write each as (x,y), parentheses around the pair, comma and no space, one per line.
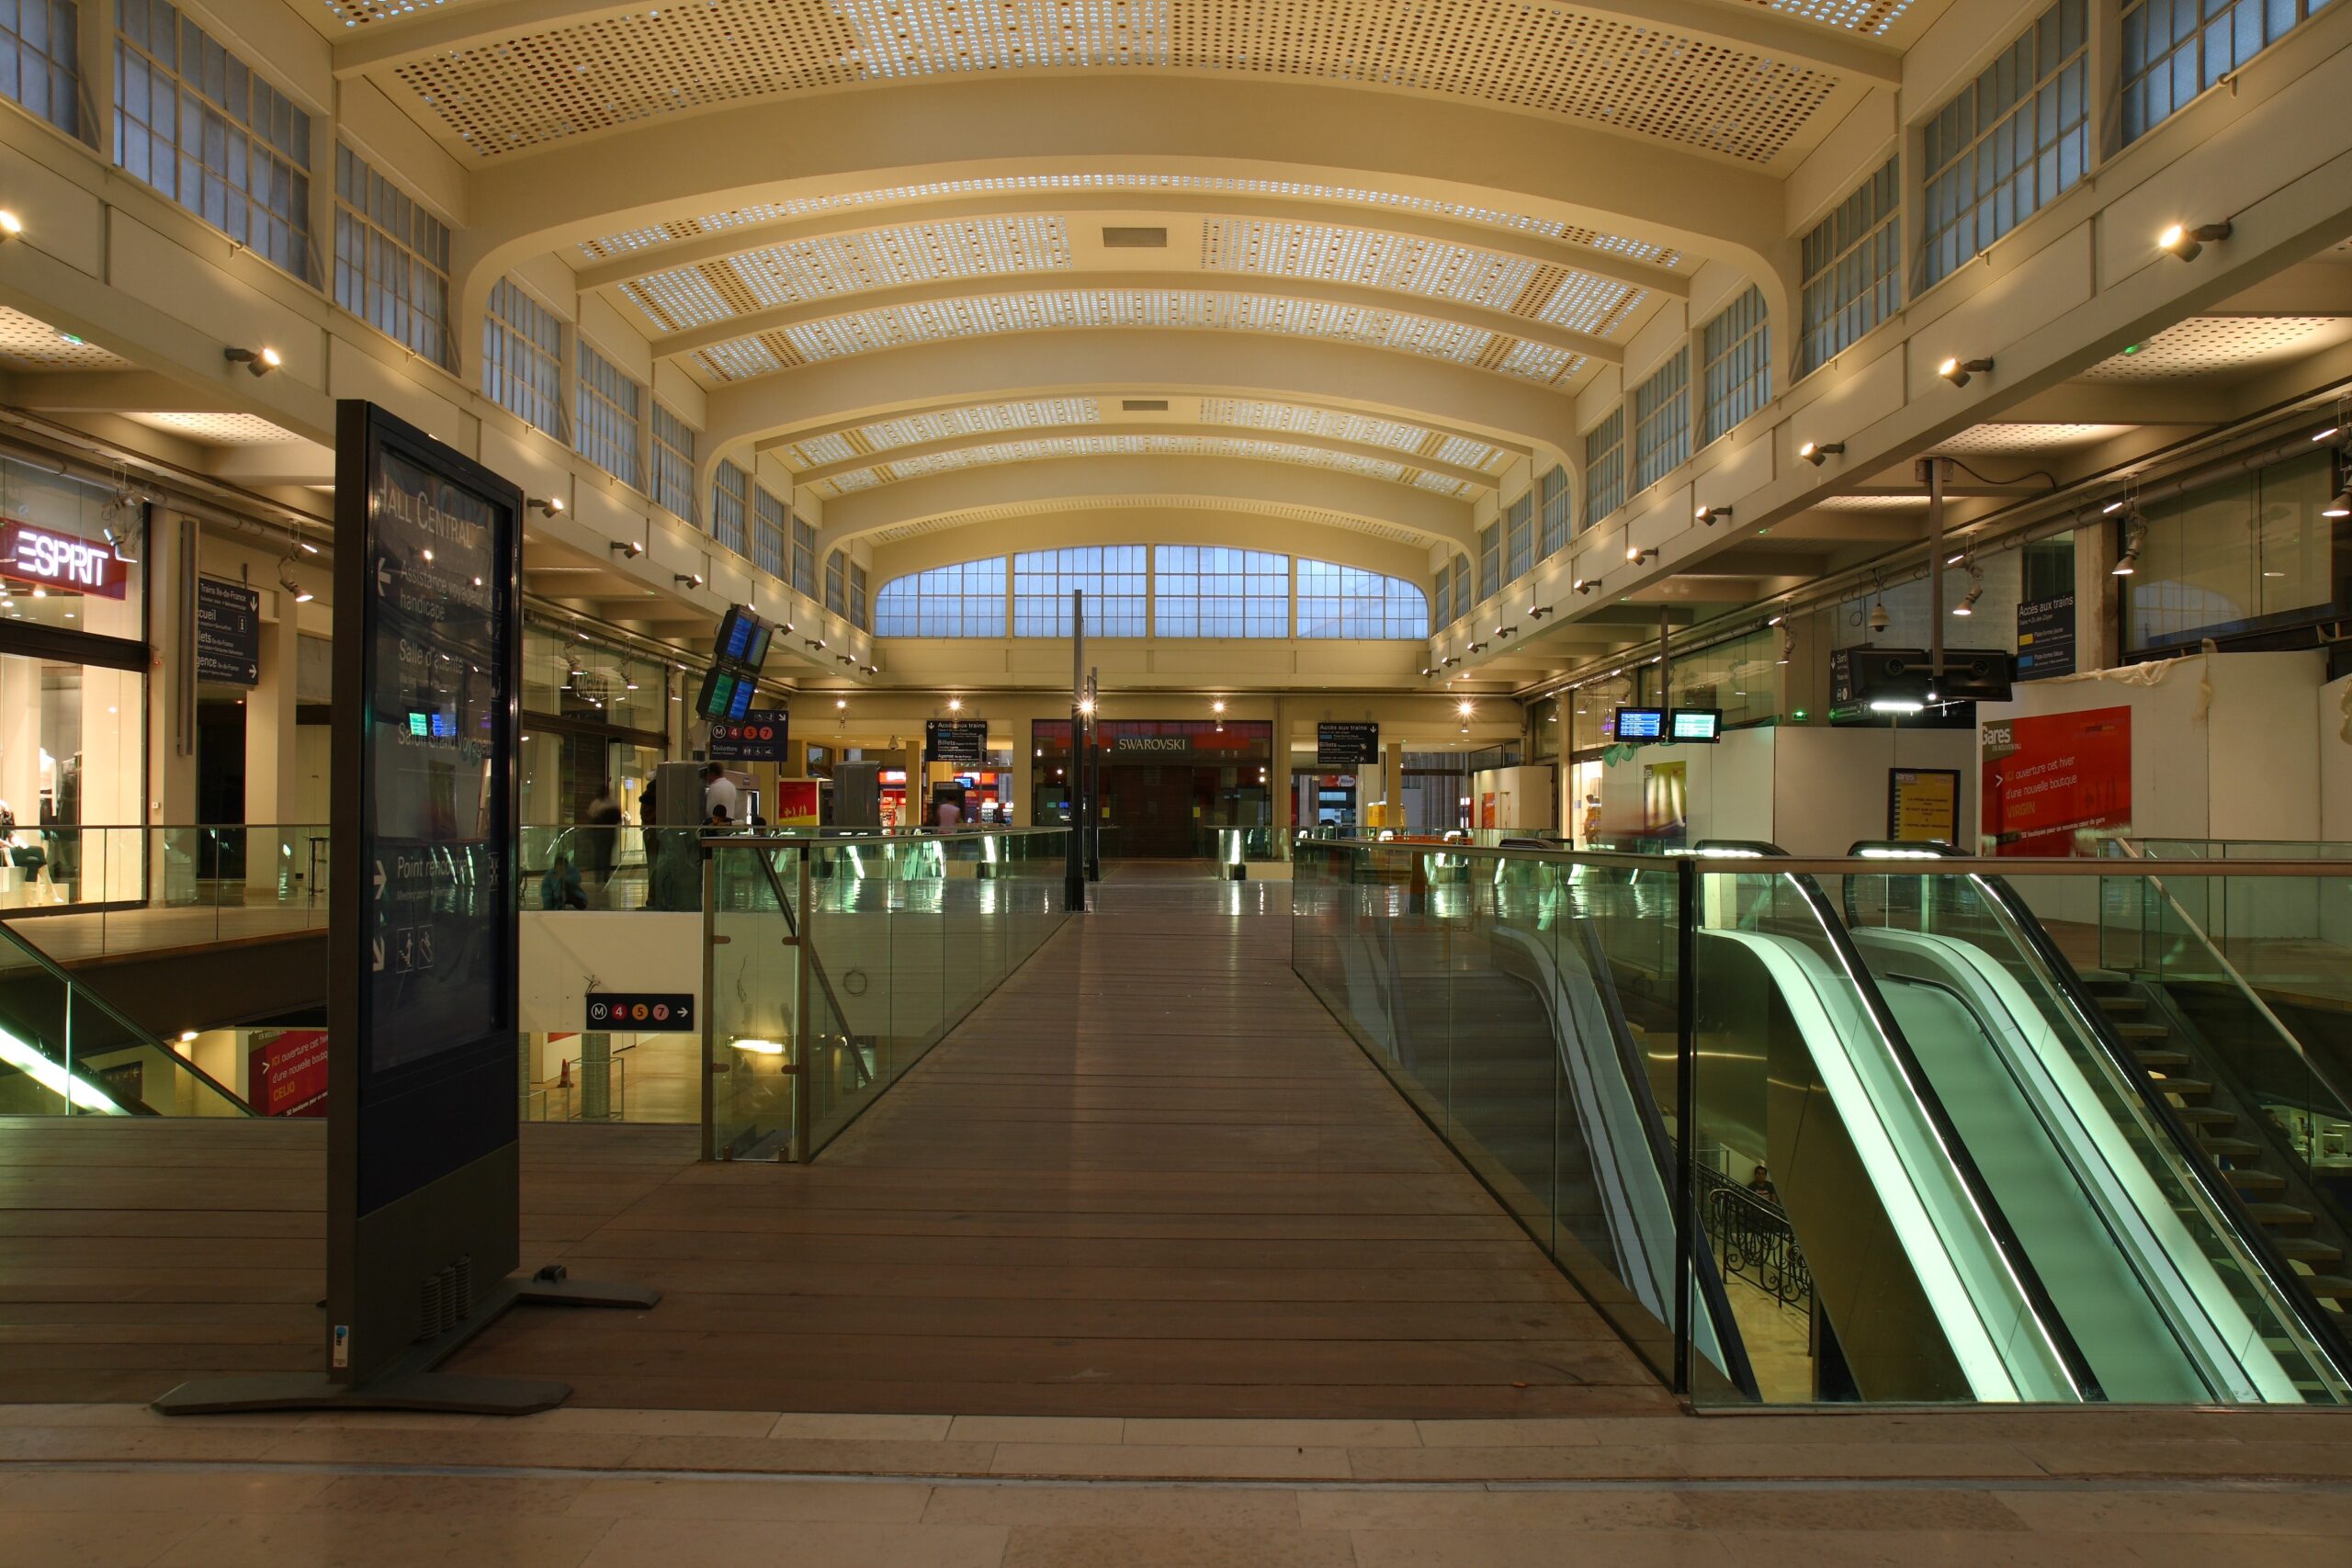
(1788,645)
(260,361)
(2341,506)
(2189,243)
(1465,708)
(1878,618)
(841,702)
(1427,670)
(1086,705)
(1708,514)
(2134,537)
(1958,371)
(1218,705)
(954,705)
(286,580)
(627,549)
(550,504)
(1586,584)
(1967,605)
(687,579)
(1636,554)
(11,226)
(1819,452)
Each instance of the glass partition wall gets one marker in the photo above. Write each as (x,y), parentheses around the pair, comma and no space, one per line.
(1934,1130)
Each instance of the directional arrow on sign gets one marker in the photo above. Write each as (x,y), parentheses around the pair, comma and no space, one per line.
(384,577)
(379,947)
(379,879)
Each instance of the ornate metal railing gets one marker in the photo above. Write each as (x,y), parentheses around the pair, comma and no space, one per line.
(1754,1241)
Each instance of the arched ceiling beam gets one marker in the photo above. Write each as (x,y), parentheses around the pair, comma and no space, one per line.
(1748,27)
(1436,518)
(1509,446)
(694,164)
(1115,428)
(1517,243)
(1144,362)
(1236,284)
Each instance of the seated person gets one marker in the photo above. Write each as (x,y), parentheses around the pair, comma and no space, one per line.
(27,858)
(560,887)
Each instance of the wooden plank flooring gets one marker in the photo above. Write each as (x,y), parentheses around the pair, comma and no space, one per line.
(1149,1177)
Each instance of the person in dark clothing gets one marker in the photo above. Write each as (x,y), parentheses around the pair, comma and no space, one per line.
(559,888)
(598,836)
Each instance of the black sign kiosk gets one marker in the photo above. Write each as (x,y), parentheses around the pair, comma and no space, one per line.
(423,1213)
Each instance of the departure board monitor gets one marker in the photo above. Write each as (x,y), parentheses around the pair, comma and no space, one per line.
(1641,724)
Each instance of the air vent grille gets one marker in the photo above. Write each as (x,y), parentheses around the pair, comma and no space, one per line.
(1135,239)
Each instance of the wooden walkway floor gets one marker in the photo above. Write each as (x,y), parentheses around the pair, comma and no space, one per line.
(1149,1177)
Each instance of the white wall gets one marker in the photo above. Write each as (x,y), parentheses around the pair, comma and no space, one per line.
(1829,787)
(562,951)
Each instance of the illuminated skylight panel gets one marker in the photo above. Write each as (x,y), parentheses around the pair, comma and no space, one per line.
(678,298)
(633,239)
(1441,483)
(740,359)
(1356,323)
(916,253)
(947,425)
(1335,253)
(1873,17)
(821,449)
(1540,362)
(926,38)
(1584,303)
(1143,445)
(856,478)
(1463,453)
(1334,424)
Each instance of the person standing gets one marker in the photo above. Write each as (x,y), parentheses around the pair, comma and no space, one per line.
(719,790)
(599,833)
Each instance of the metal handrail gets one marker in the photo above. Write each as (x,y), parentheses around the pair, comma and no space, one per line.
(140,1033)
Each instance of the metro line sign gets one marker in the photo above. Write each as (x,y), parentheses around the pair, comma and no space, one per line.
(61,560)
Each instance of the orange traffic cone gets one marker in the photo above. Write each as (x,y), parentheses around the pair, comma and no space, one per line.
(564,1079)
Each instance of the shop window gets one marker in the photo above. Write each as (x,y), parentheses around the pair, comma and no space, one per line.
(964,600)
(606,422)
(771,526)
(1113,576)
(729,493)
(1736,349)
(1852,269)
(197,124)
(1662,420)
(1604,466)
(39,61)
(674,465)
(2249,554)
(522,359)
(391,260)
(2174,50)
(1518,538)
(2008,144)
(1490,561)
(1559,509)
(1337,601)
(804,558)
(1213,590)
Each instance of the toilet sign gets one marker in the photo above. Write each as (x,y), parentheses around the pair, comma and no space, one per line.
(644,1012)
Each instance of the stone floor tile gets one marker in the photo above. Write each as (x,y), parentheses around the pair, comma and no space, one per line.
(1149,1546)
(868,1428)
(657,1423)
(1036,1428)
(732,1543)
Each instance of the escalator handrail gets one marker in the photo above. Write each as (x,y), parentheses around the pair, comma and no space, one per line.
(2053,1327)
(140,1034)
(2245,988)
(1741,1372)
(2225,1199)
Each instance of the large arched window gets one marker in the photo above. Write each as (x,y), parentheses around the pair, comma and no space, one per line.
(1216,591)
(1337,601)
(964,600)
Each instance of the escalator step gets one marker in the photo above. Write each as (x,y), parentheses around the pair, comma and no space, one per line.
(2283,1215)
(2206,1116)
(2305,1249)
(2329,1287)
(2255,1181)
(2188,1088)
(2122,1003)
(2162,1060)
(2232,1148)
(2142,1031)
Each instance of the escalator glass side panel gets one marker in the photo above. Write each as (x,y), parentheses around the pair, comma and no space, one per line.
(2141,1242)
(1802,1069)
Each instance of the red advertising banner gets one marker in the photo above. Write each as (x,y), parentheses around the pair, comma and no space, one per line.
(2051,774)
(288,1074)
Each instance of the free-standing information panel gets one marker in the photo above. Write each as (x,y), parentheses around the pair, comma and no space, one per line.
(422,1185)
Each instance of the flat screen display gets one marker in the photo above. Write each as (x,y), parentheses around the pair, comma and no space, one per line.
(725,695)
(1641,724)
(743,638)
(1703,726)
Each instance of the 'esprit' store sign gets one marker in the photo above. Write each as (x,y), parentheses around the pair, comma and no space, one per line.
(59,561)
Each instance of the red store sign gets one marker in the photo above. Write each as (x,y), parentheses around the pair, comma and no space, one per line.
(65,561)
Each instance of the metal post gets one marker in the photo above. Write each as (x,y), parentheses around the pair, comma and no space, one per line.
(1686,1115)
(804,1057)
(709,992)
(1093,777)
(1935,477)
(1074,852)
(1665,659)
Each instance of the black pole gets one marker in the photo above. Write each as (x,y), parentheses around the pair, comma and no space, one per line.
(1686,1114)
(1074,852)
(1093,778)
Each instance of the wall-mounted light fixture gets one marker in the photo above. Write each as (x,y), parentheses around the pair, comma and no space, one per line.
(1537,611)
(11,226)
(627,549)
(1502,632)
(260,361)
(1967,605)
(286,580)
(1819,452)
(1586,584)
(1478,648)
(2135,535)
(1636,554)
(1710,514)
(550,504)
(2187,243)
(1958,371)
(687,579)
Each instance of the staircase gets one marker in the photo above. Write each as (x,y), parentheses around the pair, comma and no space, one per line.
(2224,1122)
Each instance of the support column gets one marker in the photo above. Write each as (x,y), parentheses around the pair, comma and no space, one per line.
(1278,772)
(1392,781)
(2098,597)
(595,1078)
(272,775)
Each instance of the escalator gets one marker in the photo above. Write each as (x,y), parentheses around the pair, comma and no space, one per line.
(65,1050)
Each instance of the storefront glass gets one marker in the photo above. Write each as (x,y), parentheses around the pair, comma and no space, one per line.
(1166,783)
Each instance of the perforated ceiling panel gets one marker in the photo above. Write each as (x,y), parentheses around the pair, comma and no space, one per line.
(1388,531)
(2217,345)
(532,88)
(1854,16)
(1325,251)
(629,240)
(30,345)
(220,429)
(1363,430)
(1141,446)
(859,331)
(1029,414)
(845,264)
(1996,439)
